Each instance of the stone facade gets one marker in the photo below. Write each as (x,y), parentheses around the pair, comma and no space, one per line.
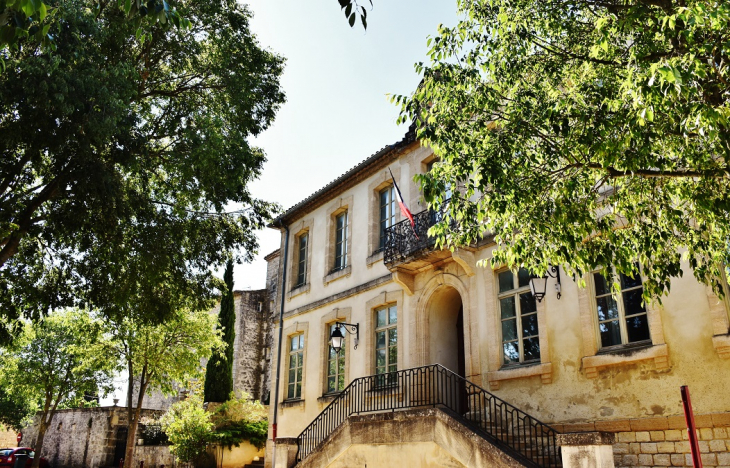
(93,438)
(8,438)
(447,310)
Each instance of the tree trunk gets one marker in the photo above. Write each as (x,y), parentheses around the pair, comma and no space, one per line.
(42,428)
(133,421)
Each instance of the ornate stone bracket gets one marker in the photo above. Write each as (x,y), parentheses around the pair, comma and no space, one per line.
(406,281)
(465,259)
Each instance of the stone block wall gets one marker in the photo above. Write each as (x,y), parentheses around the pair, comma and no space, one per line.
(664,441)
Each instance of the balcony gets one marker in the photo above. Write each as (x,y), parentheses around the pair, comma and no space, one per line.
(411,248)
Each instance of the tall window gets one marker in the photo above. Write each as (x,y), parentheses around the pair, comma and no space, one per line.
(341,241)
(302,260)
(296,366)
(386,341)
(335,367)
(518,311)
(622,319)
(387,212)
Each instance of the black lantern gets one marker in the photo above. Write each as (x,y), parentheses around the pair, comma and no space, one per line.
(538,284)
(337,338)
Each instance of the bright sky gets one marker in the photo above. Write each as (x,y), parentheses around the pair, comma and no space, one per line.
(336,81)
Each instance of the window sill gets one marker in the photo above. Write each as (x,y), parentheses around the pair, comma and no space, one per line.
(544,370)
(377,256)
(292,403)
(626,355)
(335,275)
(328,397)
(722,345)
(298,290)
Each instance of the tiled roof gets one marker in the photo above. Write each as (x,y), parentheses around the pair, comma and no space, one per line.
(342,181)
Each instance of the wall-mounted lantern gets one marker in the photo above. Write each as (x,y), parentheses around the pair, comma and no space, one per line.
(337,339)
(538,284)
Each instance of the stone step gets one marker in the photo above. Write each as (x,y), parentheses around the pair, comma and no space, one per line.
(255,464)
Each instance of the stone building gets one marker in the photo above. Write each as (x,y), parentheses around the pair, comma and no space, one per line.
(445,345)
(93,438)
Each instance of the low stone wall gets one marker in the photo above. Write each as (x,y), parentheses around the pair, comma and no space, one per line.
(664,441)
(154,456)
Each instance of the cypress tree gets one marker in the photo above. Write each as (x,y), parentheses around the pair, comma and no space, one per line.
(219,372)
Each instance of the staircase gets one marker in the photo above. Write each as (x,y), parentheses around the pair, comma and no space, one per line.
(516,433)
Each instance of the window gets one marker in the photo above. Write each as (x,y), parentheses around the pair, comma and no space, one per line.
(386,342)
(518,312)
(341,241)
(387,212)
(623,319)
(335,366)
(296,366)
(302,260)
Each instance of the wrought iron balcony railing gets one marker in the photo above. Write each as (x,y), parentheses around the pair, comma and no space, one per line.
(528,440)
(402,240)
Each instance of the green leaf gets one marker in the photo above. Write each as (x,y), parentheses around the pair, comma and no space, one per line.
(352,20)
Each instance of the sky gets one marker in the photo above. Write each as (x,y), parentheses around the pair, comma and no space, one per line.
(337,80)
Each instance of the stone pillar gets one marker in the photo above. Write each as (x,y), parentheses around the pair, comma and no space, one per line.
(587,449)
(285,451)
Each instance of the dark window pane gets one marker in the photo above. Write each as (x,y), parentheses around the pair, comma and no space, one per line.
(527,303)
(610,333)
(529,325)
(629,282)
(532,349)
(511,352)
(509,330)
(523,277)
(393,315)
(507,306)
(340,382)
(332,369)
(292,376)
(632,302)
(380,357)
(607,308)
(290,392)
(392,337)
(331,384)
(341,366)
(393,355)
(506,281)
(298,390)
(602,285)
(637,328)
(380,340)
(381,318)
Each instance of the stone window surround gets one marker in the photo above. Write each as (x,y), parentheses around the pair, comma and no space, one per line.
(593,359)
(497,372)
(719,309)
(377,184)
(300,227)
(296,328)
(343,204)
(341,314)
(367,333)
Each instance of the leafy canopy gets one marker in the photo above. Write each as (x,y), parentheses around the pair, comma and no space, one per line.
(119,157)
(583,133)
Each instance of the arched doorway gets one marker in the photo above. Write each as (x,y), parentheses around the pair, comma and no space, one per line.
(446,329)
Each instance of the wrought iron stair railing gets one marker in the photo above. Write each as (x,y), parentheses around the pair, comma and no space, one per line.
(526,439)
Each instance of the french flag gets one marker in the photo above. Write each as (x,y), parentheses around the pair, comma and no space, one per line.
(403,207)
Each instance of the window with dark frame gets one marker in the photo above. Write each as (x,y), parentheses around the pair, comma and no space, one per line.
(518,314)
(387,212)
(335,366)
(296,366)
(386,343)
(302,260)
(341,222)
(622,319)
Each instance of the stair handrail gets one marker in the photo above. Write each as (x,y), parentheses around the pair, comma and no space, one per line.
(524,437)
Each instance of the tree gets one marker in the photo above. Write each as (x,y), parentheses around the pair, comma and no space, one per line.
(583,134)
(120,156)
(56,362)
(219,371)
(161,357)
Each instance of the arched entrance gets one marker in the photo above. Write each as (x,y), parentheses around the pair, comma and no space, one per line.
(446,329)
